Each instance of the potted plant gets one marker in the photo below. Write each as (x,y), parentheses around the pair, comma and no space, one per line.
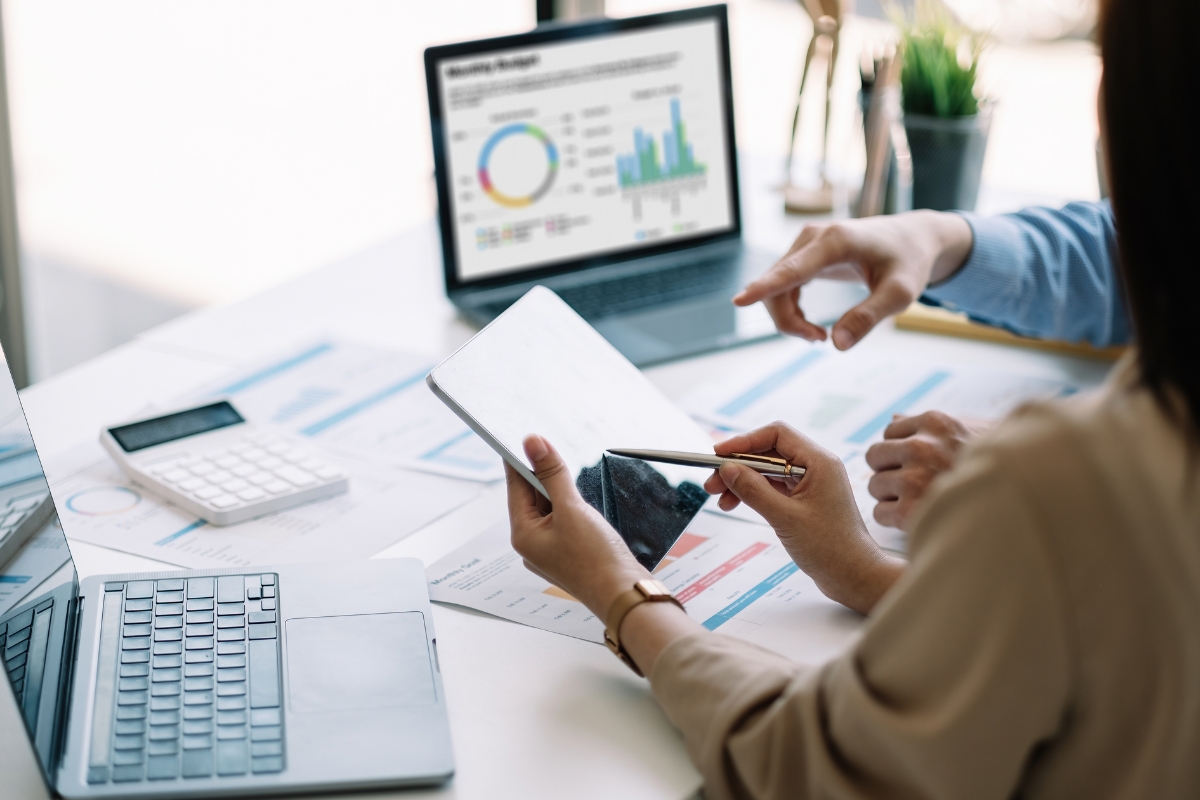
(944,119)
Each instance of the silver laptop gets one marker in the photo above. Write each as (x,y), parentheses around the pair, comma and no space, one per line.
(597,159)
(214,682)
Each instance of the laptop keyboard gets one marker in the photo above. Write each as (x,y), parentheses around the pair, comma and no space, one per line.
(632,292)
(19,510)
(189,680)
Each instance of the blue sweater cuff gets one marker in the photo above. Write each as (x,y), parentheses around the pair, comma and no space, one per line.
(987,277)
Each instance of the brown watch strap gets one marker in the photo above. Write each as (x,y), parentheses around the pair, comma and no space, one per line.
(648,590)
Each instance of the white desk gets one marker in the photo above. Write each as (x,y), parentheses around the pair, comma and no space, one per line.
(533,714)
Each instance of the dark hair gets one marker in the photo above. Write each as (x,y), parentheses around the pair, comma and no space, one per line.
(1153,148)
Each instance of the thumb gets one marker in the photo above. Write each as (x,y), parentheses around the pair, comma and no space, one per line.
(887,299)
(550,469)
(755,491)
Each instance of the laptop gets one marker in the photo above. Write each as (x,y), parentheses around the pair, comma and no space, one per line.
(597,159)
(220,682)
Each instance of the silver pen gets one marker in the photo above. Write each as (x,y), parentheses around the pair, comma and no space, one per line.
(767,465)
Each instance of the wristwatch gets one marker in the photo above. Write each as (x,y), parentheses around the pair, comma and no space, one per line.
(647,590)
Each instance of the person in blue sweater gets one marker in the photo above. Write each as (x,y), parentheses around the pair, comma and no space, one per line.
(1041,272)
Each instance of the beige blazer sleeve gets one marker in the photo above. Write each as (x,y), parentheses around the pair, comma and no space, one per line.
(962,671)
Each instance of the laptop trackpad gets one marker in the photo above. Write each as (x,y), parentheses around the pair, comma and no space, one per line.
(365,661)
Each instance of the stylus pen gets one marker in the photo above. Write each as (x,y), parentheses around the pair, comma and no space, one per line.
(766,465)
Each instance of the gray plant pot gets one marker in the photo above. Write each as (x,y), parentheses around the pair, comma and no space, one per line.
(947,159)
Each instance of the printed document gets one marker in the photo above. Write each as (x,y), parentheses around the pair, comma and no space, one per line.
(731,576)
(365,402)
(844,401)
(98,504)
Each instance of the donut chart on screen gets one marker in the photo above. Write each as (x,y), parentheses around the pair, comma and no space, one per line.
(517,129)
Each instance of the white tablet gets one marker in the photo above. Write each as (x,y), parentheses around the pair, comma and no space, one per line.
(541,368)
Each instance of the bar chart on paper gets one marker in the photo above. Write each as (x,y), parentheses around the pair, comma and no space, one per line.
(365,402)
(731,576)
(844,401)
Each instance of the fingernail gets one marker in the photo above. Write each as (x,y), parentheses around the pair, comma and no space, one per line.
(535,448)
(842,338)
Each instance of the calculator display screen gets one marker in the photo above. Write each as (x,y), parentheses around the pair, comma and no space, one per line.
(148,433)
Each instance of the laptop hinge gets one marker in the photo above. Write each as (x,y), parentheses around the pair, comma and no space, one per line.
(469,296)
(66,681)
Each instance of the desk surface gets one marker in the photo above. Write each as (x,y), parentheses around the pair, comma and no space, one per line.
(533,714)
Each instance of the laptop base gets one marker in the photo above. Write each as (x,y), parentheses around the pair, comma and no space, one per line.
(654,312)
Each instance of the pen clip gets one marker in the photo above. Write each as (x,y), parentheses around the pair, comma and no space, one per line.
(779,462)
(764,459)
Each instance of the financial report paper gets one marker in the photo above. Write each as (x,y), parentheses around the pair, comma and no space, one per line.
(366,402)
(731,576)
(100,505)
(844,401)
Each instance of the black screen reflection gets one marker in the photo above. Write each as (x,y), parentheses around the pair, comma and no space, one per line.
(641,505)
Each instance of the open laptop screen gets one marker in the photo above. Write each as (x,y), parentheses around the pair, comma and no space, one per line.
(37,583)
(617,139)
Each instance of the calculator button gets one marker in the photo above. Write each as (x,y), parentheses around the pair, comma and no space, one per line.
(176,475)
(235,485)
(278,487)
(270,463)
(238,449)
(192,484)
(261,478)
(277,448)
(166,466)
(219,477)
(311,464)
(295,476)
(328,473)
(228,462)
(223,501)
(244,470)
(208,492)
(294,456)
(203,468)
(253,493)
(254,454)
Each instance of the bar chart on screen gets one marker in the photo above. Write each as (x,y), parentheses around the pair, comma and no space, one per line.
(645,175)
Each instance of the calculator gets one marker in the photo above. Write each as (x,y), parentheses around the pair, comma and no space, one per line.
(212,462)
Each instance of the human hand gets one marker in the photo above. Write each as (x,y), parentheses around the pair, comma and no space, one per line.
(896,256)
(564,539)
(914,451)
(815,517)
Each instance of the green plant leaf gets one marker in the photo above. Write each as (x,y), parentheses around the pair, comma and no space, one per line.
(934,80)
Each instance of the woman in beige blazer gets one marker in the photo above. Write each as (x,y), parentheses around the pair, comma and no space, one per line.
(1044,638)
